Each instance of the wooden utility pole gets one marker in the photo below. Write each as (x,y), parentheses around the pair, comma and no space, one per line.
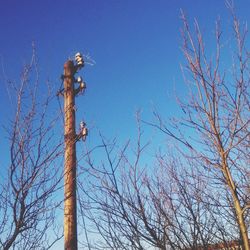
(70,207)
(70,138)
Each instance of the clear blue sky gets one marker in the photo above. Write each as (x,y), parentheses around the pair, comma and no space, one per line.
(136,46)
(135,43)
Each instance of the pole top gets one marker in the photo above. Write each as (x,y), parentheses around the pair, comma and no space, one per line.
(69,68)
(69,64)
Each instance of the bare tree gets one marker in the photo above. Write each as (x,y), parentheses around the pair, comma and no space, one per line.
(217,116)
(135,206)
(27,193)
(199,197)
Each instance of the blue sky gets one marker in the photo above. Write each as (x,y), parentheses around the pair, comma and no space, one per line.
(135,44)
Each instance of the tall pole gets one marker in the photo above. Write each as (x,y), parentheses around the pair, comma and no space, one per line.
(70,138)
(70,205)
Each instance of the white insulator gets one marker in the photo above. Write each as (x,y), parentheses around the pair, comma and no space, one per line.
(78,55)
(79,63)
(84,131)
(79,79)
(82,85)
(78,58)
(82,125)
